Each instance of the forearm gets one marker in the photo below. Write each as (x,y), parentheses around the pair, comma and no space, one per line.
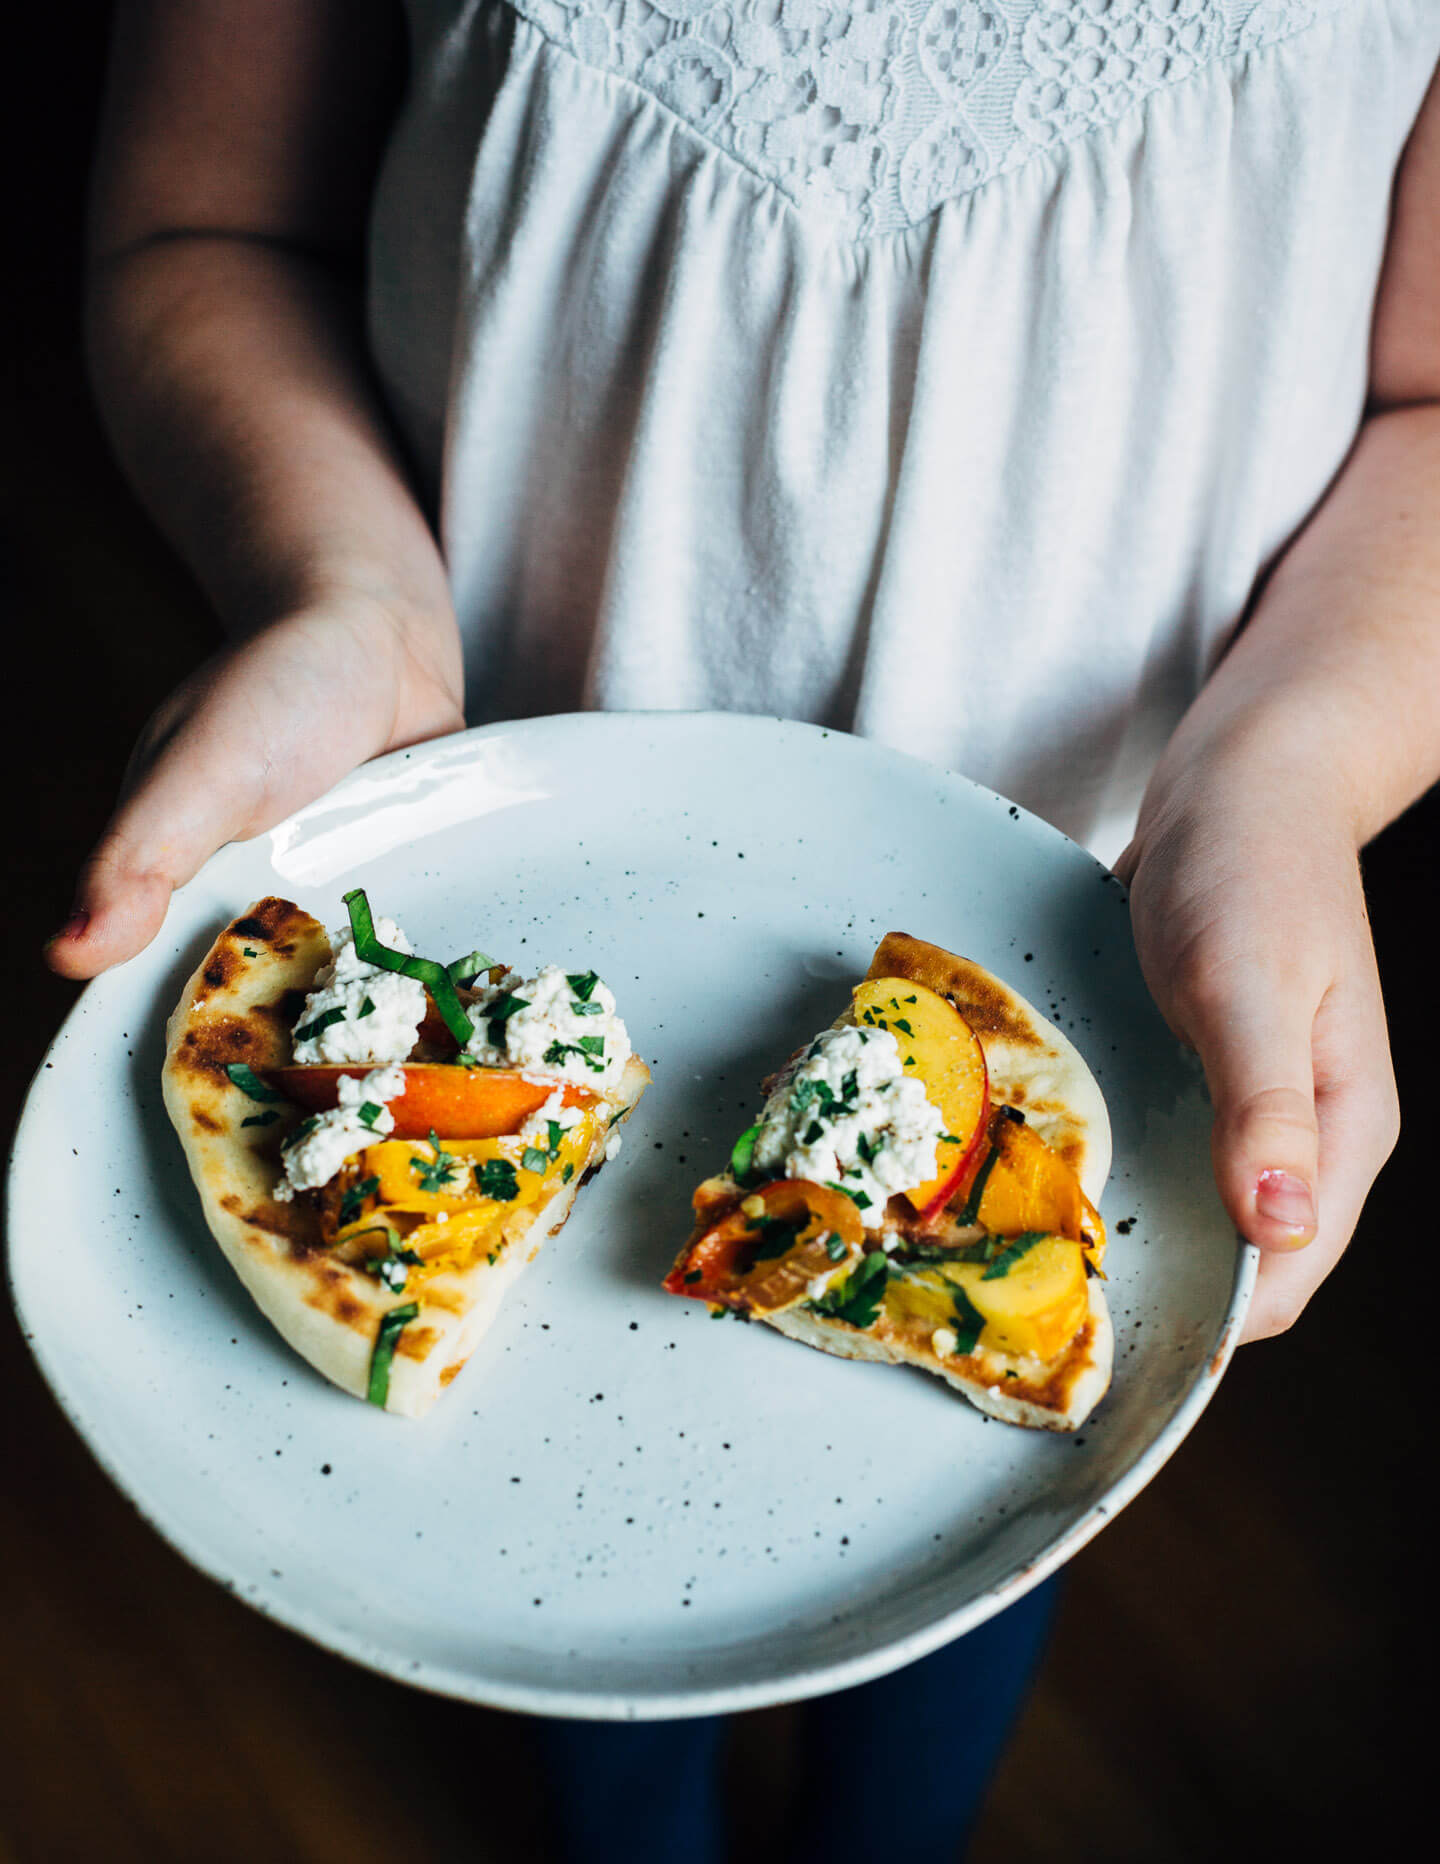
(233,381)
(1335,680)
(235,163)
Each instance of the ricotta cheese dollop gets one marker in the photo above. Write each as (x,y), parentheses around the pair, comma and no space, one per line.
(536,1129)
(847,1114)
(558,1023)
(319,1146)
(379,1011)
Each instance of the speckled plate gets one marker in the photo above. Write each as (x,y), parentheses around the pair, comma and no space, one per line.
(623,1508)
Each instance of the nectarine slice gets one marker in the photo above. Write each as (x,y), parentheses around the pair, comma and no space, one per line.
(940,1048)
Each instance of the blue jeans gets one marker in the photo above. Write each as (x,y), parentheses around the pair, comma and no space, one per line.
(900,1765)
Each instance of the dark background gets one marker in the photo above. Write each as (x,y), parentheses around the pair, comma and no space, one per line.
(1227,1675)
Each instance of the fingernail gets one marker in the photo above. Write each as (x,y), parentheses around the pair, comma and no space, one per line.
(1284,1198)
(72,927)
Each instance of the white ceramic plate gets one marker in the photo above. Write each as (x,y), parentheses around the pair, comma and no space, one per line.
(623,1508)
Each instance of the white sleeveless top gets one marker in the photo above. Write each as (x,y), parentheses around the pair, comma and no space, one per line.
(944,370)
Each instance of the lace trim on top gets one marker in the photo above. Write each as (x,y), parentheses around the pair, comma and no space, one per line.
(870,114)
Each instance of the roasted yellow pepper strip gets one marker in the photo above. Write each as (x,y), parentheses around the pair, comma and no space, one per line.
(449,1207)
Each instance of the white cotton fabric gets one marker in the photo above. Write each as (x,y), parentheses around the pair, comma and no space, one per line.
(943,370)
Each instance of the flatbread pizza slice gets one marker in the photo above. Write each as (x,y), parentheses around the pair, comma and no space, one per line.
(382,1143)
(921,1189)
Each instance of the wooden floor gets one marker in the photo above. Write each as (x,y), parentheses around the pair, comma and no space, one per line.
(1230,1651)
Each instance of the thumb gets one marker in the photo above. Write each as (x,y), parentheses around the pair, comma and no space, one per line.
(1257,1049)
(255,732)
(200,777)
(161,834)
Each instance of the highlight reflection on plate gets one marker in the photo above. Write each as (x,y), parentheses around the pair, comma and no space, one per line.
(620,1508)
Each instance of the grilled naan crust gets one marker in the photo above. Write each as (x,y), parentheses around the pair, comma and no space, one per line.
(1034,1067)
(1056,1394)
(240,1006)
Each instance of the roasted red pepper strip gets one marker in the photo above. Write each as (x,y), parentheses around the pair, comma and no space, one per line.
(758,1251)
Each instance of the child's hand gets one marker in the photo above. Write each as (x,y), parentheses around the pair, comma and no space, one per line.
(1250,923)
(261,729)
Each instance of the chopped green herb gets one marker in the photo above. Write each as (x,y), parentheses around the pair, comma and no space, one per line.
(369,1112)
(499,1015)
(568,1173)
(496,1178)
(303,1130)
(577,1008)
(392,1325)
(778,1236)
(246,1079)
(323,1021)
(903,1026)
(858,1198)
(969,1321)
(393,1268)
(261,1119)
(977,1189)
(867,1147)
(435,1173)
(556,1133)
(378,1229)
(555,1055)
(857,1299)
(742,1154)
(426,971)
(1015,1248)
(835,1248)
(352,1201)
(465,970)
(249,951)
(534,1158)
(582,983)
(814,1131)
(949,1139)
(367,1008)
(931,1252)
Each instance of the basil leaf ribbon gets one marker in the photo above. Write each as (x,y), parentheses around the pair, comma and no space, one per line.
(246,1079)
(435,977)
(392,1324)
(465,970)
